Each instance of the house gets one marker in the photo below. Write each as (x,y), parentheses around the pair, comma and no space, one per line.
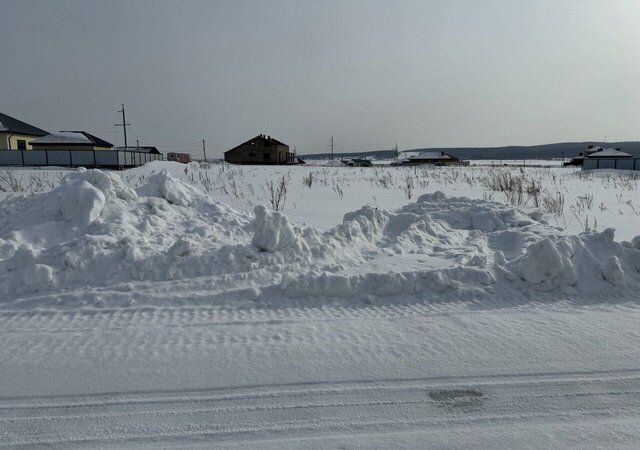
(609,158)
(16,134)
(179,157)
(261,149)
(596,152)
(607,153)
(139,148)
(357,162)
(435,157)
(70,140)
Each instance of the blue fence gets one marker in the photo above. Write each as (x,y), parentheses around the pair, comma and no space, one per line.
(612,163)
(115,159)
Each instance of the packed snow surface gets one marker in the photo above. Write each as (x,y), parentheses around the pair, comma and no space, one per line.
(158,316)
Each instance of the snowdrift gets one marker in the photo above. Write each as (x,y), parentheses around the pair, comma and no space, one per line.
(97,242)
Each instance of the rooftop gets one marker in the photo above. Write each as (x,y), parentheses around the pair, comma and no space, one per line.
(431,155)
(71,138)
(10,124)
(608,153)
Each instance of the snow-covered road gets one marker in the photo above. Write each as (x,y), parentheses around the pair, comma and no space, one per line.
(443,373)
(162,317)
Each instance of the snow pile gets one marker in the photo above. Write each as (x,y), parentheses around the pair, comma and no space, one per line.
(273,231)
(94,231)
(94,235)
(171,189)
(441,247)
(587,262)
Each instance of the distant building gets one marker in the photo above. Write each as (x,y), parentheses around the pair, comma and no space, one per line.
(179,157)
(436,158)
(608,153)
(71,140)
(609,158)
(16,134)
(261,150)
(593,152)
(138,148)
(357,162)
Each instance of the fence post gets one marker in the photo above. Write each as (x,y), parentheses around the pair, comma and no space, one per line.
(22,154)
(94,158)
(46,156)
(70,159)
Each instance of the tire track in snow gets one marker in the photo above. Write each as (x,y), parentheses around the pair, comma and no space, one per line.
(194,316)
(316,409)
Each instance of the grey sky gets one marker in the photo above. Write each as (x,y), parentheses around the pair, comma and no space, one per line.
(371,73)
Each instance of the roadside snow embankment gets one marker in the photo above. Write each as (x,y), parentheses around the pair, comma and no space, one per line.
(94,236)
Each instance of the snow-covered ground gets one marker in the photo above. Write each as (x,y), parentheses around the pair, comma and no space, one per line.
(314,307)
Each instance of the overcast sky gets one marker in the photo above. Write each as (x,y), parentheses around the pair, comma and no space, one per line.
(371,73)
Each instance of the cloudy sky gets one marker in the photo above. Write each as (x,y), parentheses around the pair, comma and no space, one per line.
(371,73)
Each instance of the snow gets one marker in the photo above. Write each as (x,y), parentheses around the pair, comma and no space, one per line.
(95,231)
(608,153)
(170,305)
(273,231)
(430,155)
(64,137)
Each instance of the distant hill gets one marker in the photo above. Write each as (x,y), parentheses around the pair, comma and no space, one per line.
(546,151)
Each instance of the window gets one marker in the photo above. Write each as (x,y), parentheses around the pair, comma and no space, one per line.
(266,156)
(22,144)
(252,154)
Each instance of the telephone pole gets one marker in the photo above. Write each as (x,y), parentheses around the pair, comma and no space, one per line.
(204,151)
(331,145)
(124,125)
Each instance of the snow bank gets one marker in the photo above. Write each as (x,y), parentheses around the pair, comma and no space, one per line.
(273,231)
(101,243)
(94,231)
(469,248)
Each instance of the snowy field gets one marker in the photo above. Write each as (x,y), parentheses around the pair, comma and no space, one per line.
(319,307)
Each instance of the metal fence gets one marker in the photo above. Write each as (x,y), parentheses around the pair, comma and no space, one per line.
(115,159)
(612,163)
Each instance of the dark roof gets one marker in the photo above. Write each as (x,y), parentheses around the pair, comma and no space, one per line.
(432,155)
(260,137)
(141,149)
(71,138)
(12,125)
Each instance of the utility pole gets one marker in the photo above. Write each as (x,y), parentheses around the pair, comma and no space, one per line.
(331,145)
(124,125)
(204,151)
